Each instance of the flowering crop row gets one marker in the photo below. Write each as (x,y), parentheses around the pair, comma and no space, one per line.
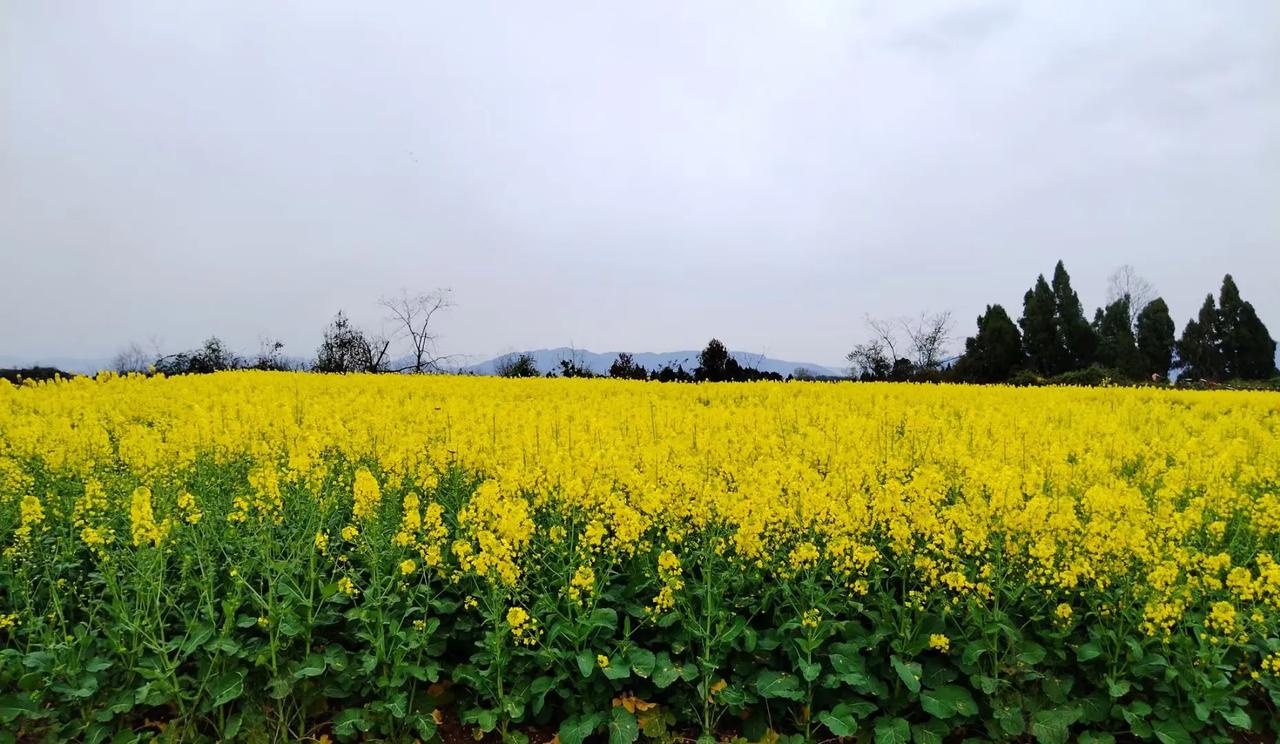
(272,556)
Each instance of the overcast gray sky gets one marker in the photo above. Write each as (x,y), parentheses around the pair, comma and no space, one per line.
(635,176)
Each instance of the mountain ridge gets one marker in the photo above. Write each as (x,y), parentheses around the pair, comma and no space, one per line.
(549,359)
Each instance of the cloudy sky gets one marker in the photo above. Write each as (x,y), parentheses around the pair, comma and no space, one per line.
(633,176)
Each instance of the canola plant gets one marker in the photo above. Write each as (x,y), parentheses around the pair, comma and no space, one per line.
(287,556)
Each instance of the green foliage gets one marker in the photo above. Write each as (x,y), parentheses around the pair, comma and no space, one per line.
(241,631)
(1040,337)
(995,352)
(1076,337)
(1117,347)
(1227,340)
(517,365)
(1154,337)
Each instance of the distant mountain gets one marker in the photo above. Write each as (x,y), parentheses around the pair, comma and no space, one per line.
(78,365)
(549,359)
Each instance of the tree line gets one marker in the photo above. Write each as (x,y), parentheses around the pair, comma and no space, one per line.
(715,364)
(1132,338)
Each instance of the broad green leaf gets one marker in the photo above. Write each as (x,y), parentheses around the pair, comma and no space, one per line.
(642,662)
(838,725)
(576,729)
(1238,718)
(1089,651)
(1011,719)
(771,684)
(947,701)
(1052,726)
(226,687)
(349,721)
(623,728)
(586,663)
(1170,732)
(664,672)
(604,618)
(932,732)
(312,666)
(12,706)
(908,672)
(892,731)
(1032,654)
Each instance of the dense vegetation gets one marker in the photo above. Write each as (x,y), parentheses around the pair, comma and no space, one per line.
(1131,339)
(1053,341)
(269,556)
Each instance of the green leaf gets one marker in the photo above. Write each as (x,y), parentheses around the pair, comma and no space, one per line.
(312,666)
(226,687)
(617,671)
(1052,726)
(1170,732)
(1089,651)
(642,662)
(842,720)
(810,671)
(1032,654)
(424,726)
(948,700)
(664,672)
(232,728)
(623,728)
(604,618)
(1011,719)
(908,672)
(1117,688)
(97,664)
(838,725)
(771,684)
(892,731)
(12,706)
(586,663)
(1090,737)
(484,719)
(932,732)
(576,729)
(1238,718)
(349,721)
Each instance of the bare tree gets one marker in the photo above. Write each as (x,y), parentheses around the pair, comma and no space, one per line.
(412,313)
(885,334)
(131,359)
(271,356)
(928,336)
(1125,282)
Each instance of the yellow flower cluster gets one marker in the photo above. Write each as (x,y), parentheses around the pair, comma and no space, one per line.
(582,584)
(145,529)
(367,495)
(1158,503)
(670,573)
(524,628)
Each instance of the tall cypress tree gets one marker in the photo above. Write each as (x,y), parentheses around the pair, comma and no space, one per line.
(1040,338)
(1117,347)
(1247,349)
(1199,353)
(994,352)
(1155,338)
(1076,336)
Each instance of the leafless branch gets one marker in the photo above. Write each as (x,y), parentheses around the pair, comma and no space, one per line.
(413,313)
